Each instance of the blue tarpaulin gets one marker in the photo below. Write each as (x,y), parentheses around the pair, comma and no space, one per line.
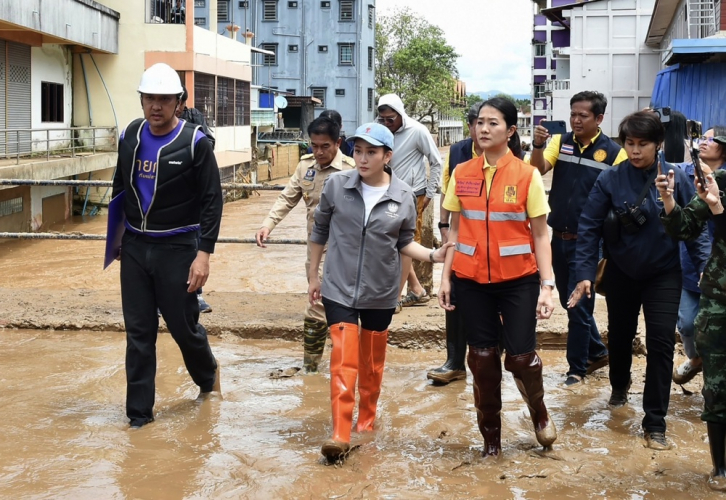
(696,90)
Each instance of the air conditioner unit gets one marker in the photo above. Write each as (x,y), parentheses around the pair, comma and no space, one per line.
(244,5)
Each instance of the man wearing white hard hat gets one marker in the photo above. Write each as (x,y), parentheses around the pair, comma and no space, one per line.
(169,178)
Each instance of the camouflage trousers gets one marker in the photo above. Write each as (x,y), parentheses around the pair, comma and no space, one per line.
(710,325)
(315,332)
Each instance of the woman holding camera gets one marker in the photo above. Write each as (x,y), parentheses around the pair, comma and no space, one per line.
(643,267)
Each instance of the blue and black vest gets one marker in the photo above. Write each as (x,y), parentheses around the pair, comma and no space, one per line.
(176,196)
(460,153)
(574,176)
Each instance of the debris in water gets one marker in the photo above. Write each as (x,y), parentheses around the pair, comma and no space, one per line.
(278,373)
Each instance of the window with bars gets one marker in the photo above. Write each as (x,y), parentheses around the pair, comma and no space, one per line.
(370,99)
(269,59)
(371,16)
(319,93)
(346,10)
(10,207)
(225,102)
(51,102)
(205,98)
(370,57)
(269,10)
(200,21)
(222,11)
(241,103)
(200,3)
(345,54)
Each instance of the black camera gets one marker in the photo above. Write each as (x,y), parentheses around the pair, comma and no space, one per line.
(631,218)
(664,114)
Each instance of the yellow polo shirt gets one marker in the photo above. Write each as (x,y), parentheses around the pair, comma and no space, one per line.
(536,197)
(553,149)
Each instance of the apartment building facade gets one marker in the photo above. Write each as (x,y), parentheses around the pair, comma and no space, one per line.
(322,49)
(73,68)
(592,45)
(690,36)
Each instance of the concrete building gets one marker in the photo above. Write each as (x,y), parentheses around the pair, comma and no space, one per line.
(322,49)
(592,45)
(690,36)
(78,63)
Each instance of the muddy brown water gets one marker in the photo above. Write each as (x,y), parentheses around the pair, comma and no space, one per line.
(64,433)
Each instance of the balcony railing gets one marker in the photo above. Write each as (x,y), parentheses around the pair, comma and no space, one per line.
(71,141)
(554,85)
(166,11)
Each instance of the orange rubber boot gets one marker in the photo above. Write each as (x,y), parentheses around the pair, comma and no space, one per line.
(372,358)
(343,375)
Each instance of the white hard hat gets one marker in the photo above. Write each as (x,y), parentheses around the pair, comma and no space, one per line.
(160,79)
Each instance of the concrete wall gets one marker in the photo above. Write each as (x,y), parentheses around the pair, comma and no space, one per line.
(122,72)
(233,139)
(51,63)
(83,22)
(37,195)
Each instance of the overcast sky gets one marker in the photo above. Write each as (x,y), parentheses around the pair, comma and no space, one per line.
(493,38)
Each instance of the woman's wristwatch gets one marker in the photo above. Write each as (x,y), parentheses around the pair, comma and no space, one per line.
(549,283)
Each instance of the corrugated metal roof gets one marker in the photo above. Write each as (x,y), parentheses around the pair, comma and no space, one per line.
(696,90)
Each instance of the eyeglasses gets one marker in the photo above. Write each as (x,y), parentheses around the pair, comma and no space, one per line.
(386,119)
(705,140)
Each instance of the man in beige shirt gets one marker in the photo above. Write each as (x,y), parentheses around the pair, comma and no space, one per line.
(307,183)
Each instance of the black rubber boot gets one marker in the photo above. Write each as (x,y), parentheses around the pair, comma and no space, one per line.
(717,443)
(454,368)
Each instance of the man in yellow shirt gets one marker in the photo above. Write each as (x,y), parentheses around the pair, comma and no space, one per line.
(579,157)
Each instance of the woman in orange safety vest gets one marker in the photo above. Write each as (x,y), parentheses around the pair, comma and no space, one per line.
(501,263)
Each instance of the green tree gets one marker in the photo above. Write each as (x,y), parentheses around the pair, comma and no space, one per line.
(414,61)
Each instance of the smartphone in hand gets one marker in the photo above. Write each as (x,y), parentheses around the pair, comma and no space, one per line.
(554,127)
(699,172)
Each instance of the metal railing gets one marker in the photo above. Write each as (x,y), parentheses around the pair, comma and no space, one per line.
(22,142)
(554,85)
(166,11)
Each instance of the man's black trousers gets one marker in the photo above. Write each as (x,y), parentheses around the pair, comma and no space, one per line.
(154,274)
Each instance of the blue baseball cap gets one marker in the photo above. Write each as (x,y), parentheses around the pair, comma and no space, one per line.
(374,134)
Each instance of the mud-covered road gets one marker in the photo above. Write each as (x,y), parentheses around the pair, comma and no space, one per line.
(64,434)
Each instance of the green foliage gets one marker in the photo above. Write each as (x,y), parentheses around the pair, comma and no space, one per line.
(414,61)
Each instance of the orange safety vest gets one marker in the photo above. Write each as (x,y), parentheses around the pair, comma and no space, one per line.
(495,241)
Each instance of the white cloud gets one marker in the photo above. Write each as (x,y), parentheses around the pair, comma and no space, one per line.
(493,38)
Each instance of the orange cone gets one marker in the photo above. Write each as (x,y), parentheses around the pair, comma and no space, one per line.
(372,359)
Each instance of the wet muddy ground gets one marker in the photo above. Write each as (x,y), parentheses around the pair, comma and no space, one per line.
(64,434)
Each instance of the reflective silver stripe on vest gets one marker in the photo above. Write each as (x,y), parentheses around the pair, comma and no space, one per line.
(583,161)
(474,214)
(515,250)
(505,216)
(465,249)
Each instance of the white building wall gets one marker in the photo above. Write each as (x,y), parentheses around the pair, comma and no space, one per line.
(53,64)
(608,54)
(233,138)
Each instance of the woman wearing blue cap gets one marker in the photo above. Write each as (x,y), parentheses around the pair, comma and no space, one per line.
(368,218)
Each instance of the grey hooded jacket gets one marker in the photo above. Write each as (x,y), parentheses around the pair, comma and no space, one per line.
(363,265)
(413,143)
